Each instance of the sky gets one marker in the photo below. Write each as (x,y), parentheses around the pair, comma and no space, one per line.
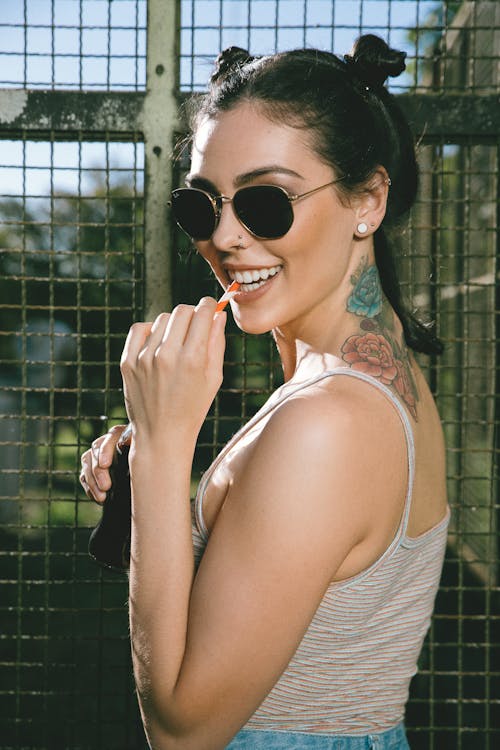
(101,44)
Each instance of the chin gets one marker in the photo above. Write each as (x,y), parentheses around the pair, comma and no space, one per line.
(254,327)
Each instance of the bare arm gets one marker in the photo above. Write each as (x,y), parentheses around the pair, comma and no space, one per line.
(207,649)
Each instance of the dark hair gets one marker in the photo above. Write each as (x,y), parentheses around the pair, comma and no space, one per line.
(355,124)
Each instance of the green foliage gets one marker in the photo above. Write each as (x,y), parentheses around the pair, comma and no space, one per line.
(426,38)
(71,272)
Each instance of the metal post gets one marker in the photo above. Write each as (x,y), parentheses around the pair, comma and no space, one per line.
(159,123)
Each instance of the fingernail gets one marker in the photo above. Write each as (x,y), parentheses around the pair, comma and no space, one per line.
(155,324)
(203,301)
(220,318)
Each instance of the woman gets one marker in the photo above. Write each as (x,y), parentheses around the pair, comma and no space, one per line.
(320,529)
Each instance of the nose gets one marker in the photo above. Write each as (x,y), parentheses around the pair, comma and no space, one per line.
(228,233)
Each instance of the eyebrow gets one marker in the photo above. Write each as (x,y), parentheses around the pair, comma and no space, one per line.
(196,180)
(243,179)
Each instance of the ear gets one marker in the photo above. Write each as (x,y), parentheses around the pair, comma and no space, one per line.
(371,204)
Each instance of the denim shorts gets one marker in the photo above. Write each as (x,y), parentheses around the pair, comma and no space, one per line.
(257,739)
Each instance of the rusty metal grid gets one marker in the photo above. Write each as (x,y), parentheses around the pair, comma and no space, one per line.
(82,44)
(453,236)
(265,26)
(75,271)
(71,230)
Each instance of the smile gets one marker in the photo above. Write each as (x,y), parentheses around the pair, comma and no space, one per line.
(251,280)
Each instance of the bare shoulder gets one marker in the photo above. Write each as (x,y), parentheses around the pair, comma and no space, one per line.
(343,443)
(337,410)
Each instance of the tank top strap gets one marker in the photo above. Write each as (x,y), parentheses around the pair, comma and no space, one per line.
(270,406)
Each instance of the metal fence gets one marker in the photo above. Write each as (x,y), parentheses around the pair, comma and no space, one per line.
(87,122)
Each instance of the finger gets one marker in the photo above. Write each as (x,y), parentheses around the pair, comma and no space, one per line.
(217,341)
(155,337)
(108,445)
(217,346)
(125,437)
(95,450)
(91,494)
(85,486)
(99,480)
(176,330)
(104,458)
(134,342)
(87,479)
(198,335)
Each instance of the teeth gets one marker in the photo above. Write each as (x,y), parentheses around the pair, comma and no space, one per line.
(252,277)
(251,287)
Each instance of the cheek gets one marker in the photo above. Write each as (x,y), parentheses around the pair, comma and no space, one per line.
(209,255)
(318,254)
(310,231)
(324,238)
(309,238)
(203,249)
(206,251)
(326,219)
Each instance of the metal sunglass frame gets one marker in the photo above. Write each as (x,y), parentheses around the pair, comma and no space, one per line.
(218,201)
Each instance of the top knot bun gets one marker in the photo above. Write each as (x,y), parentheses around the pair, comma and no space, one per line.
(229,59)
(373,61)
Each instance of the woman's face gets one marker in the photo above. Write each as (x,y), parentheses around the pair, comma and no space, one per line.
(294,280)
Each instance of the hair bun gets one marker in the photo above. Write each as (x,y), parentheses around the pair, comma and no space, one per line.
(229,59)
(373,61)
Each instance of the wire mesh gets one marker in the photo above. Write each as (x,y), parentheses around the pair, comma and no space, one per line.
(72,280)
(456,691)
(71,233)
(79,44)
(266,26)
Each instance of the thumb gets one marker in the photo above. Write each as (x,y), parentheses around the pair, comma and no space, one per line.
(217,341)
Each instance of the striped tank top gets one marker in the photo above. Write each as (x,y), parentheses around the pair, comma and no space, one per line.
(352,669)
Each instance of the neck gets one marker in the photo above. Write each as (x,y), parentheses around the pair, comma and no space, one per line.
(364,333)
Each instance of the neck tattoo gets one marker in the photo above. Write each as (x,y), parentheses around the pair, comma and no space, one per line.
(377,350)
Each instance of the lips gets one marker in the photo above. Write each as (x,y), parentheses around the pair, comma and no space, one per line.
(252,279)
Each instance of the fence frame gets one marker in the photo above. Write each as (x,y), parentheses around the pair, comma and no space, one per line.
(154,117)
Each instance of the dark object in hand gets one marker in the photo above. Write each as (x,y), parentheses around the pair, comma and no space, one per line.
(109,543)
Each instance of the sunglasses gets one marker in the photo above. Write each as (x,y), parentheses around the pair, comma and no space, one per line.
(266,211)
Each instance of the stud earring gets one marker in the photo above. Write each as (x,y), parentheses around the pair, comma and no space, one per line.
(362,227)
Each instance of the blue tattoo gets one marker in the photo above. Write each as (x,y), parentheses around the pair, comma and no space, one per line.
(366,297)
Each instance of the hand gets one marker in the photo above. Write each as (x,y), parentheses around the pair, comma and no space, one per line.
(172,370)
(94,476)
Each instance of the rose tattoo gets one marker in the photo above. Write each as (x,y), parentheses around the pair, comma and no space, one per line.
(372,354)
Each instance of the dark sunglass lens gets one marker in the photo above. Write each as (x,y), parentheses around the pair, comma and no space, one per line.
(265,210)
(193,212)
